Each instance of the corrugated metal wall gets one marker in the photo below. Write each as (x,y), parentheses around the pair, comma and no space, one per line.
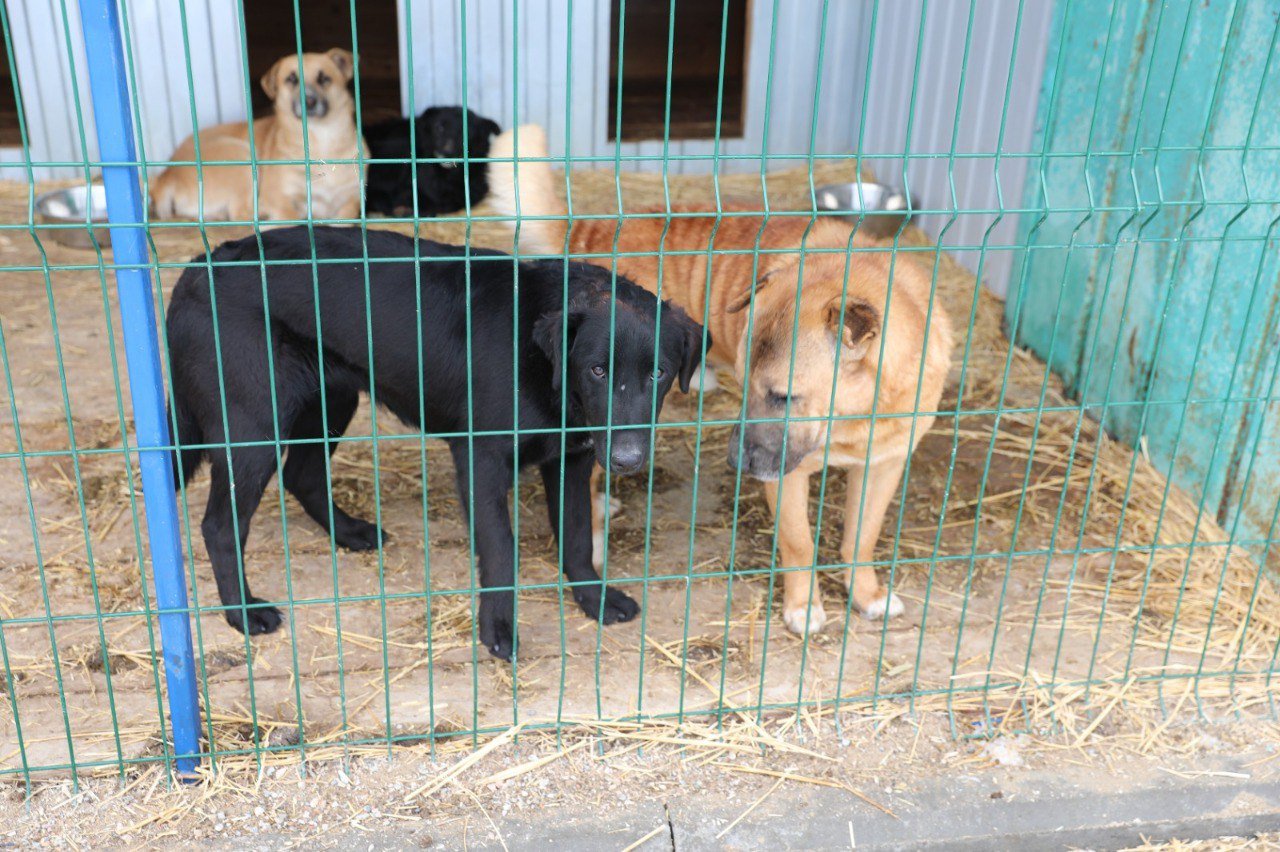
(45,59)
(979,71)
(53,83)
(1152,282)
(955,86)
(535,47)
(975,94)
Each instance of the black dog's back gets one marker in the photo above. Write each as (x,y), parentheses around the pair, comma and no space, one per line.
(438,134)
(333,289)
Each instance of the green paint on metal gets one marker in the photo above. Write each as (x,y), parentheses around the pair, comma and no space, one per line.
(1160,124)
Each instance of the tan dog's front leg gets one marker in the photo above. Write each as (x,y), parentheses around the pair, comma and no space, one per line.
(598,505)
(597,519)
(871,598)
(801,600)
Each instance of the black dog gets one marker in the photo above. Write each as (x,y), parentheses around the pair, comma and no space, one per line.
(549,341)
(438,134)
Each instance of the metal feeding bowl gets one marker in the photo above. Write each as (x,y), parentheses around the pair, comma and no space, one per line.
(77,205)
(881,209)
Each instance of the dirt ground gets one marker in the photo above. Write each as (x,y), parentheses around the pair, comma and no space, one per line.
(1041,584)
(655,788)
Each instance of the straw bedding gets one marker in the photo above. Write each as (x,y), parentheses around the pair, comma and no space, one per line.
(1065,591)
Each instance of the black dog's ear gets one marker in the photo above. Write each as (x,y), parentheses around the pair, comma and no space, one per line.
(485,128)
(549,332)
(691,336)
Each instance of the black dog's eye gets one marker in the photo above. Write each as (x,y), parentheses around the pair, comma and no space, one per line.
(780,399)
(292,79)
(322,79)
(598,371)
(658,374)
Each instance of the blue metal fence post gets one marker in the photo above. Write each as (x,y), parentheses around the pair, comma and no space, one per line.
(108,83)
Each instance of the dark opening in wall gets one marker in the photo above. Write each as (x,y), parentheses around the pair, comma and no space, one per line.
(695,68)
(10,133)
(327,24)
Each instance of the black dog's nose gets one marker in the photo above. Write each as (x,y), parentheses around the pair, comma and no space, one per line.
(626,456)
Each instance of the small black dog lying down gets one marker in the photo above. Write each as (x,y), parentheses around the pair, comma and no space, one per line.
(438,134)
(393,365)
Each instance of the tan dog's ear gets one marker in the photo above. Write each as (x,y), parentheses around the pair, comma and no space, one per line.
(745,299)
(860,325)
(271,80)
(739,303)
(344,60)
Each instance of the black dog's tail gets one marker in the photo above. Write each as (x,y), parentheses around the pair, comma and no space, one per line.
(187,431)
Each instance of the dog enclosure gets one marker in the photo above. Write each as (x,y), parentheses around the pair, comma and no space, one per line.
(1089,521)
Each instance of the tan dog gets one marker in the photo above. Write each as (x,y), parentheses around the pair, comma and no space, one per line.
(837,346)
(282,189)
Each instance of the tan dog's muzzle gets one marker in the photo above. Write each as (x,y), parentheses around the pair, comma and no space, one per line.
(316,106)
(757,450)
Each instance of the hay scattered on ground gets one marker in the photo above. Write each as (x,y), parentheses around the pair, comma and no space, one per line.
(1090,619)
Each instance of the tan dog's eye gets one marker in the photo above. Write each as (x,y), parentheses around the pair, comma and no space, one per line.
(292,79)
(322,79)
(780,399)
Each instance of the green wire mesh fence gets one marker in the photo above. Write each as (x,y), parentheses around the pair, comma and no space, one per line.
(1089,511)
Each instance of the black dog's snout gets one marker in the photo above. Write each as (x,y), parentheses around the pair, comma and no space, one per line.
(627,452)
(627,458)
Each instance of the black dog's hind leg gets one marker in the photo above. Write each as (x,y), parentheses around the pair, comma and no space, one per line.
(484,502)
(304,473)
(254,467)
(575,540)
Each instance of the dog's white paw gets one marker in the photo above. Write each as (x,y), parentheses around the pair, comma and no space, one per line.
(597,549)
(875,612)
(614,505)
(804,618)
(704,381)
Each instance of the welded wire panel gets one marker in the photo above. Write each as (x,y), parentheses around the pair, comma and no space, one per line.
(1088,513)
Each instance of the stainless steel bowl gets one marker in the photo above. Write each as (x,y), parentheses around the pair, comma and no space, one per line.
(77,205)
(883,210)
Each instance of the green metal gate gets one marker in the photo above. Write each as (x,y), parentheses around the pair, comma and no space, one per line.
(1064,543)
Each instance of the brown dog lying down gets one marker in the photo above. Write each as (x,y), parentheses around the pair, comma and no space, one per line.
(885,295)
(282,189)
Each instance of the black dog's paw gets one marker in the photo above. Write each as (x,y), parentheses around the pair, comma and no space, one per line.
(497,625)
(356,534)
(260,617)
(618,606)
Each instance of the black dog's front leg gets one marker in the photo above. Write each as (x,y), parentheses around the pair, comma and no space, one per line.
(483,485)
(575,539)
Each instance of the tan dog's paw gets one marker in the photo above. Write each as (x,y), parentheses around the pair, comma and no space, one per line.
(874,611)
(804,618)
(614,505)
